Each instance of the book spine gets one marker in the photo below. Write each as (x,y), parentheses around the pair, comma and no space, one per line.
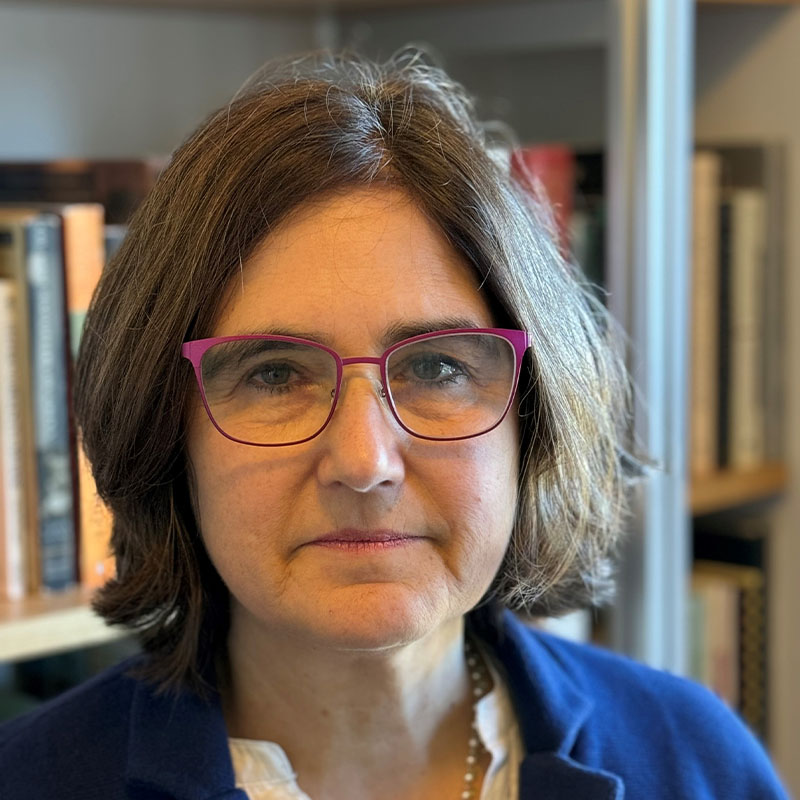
(704,387)
(548,172)
(775,305)
(84,250)
(724,331)
(48,326)
(746,425)
(14,523)
(753,658)
(13,266)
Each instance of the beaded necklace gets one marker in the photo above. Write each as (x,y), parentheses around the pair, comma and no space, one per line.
(480,682)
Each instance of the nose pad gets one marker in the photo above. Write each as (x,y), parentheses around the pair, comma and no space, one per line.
(378,392)
(376,384)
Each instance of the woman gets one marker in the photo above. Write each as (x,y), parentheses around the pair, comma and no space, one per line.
(347,402)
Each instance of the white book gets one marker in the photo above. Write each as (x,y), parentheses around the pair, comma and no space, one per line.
(720,599)
(13,511)
(704,383)
(746,422)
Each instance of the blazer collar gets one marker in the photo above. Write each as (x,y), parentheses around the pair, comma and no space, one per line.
(178,747)
(551,707)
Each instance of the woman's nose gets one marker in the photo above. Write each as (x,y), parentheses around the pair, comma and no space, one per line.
(363,444)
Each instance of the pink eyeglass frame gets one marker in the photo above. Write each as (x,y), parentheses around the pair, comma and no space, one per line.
(520,341)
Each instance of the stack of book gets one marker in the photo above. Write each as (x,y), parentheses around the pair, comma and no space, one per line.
(54,531)
(736,342)
(729,623)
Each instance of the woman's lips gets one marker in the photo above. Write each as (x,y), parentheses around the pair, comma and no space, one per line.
(362,541)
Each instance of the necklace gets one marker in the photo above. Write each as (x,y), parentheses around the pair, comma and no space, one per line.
(479,682)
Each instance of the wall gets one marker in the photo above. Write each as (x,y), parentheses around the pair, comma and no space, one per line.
(538,67)
(106,82)
(748,63)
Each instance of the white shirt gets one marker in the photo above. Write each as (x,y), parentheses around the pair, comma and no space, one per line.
(264,772)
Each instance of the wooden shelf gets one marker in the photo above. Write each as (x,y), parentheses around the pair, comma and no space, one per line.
(48,624)
(731,488)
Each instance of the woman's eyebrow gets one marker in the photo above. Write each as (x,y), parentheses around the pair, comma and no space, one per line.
(393,333)
(398,331)
(297,333)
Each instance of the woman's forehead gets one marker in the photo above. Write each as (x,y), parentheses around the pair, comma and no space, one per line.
(369,258)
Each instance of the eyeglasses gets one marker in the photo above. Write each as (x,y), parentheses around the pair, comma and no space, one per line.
(273,391)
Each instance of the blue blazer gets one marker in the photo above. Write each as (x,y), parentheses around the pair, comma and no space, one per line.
(596,726)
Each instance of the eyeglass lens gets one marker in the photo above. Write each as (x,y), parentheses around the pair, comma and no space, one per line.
(267,391)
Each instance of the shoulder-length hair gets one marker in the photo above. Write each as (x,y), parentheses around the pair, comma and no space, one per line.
(320,124)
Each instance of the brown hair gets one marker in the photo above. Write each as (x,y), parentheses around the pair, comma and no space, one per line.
(313,125)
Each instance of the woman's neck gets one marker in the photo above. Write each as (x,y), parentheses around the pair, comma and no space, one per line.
(391,723)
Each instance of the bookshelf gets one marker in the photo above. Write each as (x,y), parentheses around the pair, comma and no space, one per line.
(727,489)
(48,624)
(745,96)
(621,98)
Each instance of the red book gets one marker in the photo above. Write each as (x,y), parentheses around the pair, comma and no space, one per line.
(549,171)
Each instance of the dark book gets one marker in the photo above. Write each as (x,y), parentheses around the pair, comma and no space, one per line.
(52,435)
(723,420)
(588,230)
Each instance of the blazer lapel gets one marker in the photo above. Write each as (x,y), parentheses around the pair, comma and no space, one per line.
(552,775)
(551,709)
(178,748)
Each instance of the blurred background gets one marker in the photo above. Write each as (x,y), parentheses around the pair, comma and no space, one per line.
(666,133)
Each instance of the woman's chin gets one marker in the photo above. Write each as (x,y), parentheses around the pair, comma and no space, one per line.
(375,617)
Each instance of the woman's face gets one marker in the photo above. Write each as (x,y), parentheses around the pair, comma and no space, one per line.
(347,269)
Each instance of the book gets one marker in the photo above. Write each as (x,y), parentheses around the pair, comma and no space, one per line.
(745,388)
(704,380)
(715,641)
(84,257)
(13,266)
(588,222)
(548,171)
(113,236)
(96,559)
(733,556)
(724,355)
(773,171)
(14,523)
(49,348)
(757,384)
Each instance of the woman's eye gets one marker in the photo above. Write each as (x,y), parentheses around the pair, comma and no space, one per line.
(274,374)
(429,368)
